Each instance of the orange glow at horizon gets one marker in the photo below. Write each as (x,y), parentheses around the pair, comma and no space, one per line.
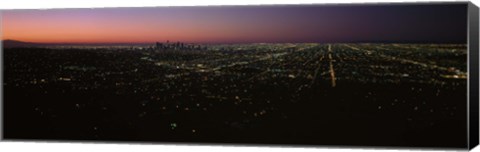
(50,31)
(82,26)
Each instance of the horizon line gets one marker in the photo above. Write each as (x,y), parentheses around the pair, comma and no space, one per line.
(186,42)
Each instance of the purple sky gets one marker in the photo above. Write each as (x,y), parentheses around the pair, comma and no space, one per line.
(242,24)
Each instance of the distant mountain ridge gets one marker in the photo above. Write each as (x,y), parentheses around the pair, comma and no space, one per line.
(9,43)
(14,43)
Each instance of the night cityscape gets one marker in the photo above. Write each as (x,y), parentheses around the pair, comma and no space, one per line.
(346,75)
(309,93)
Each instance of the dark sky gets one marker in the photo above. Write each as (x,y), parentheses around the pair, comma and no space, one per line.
(433,23)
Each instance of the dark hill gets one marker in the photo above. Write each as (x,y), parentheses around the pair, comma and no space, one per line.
(15,43)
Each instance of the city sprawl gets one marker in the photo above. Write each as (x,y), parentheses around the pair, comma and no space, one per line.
(305,93)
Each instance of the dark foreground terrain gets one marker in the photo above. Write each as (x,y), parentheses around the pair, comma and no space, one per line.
(308,94)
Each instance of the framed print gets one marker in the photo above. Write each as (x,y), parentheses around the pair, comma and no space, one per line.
(378,75)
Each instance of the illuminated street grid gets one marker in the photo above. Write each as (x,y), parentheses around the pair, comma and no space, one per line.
(365,94)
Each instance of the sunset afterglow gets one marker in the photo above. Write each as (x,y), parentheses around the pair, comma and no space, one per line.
(235,24)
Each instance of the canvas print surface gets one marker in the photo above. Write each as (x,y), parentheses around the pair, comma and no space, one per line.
(355,75)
